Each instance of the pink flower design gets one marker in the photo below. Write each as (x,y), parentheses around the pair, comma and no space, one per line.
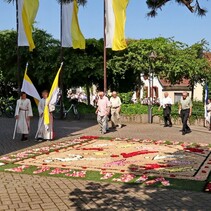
(41,169)
(77,174)
(106,175)
(18,169)
(125,178)
(59,171)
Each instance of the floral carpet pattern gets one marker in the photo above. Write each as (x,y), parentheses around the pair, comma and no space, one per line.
(141,161)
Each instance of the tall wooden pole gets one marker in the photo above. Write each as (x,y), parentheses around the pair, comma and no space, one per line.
(18,51)
(104,54)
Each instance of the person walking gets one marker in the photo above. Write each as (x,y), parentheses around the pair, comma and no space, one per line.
(185,111)
(209,114)
(43,132)
(102,111)
(166,103)
(23,113)
(115,104)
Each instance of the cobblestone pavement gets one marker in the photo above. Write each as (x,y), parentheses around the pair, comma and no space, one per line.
(26,192)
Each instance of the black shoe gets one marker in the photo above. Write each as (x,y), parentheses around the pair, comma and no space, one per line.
(188,131)
(183,132)
(170,125)
(165,125)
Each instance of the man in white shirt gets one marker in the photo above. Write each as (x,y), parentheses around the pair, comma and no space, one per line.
(103,109)
(115,110)
(166,103)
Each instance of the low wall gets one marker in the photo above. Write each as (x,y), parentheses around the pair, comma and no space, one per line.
(143,119)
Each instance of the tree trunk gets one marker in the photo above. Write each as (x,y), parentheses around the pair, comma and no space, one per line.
(192,91)
(88,94)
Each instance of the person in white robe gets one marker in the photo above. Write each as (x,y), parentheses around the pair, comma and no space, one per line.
(43,132)
(23,113)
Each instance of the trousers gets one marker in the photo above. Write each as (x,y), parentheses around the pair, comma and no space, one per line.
(185,116)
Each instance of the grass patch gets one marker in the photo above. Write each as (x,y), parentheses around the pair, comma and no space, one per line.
(179,184)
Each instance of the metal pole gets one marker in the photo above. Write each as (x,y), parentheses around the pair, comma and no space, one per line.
(104,54)
(18,52)
(61,58)
(149,100)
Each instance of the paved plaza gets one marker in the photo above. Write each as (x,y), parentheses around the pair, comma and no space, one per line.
(33,192)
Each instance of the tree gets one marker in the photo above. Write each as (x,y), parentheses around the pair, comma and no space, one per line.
(174,62)
(81,67)
(154,5)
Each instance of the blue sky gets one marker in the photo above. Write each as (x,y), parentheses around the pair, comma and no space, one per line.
(173,21)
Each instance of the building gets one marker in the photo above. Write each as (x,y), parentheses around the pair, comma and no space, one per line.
(155,88)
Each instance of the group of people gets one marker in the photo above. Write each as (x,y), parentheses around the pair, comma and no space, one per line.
(185,111)
(23,114)
(106,108)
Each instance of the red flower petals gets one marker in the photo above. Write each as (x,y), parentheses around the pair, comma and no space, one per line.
(189,149)
(132,154)
(114,156)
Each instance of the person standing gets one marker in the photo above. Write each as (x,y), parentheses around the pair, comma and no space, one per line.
(102,111)
(209,113)
(166,103)
(115,104)
(185,111)
(43,132)
(23,113)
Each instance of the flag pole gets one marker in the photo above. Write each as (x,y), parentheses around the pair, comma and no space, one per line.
(61,59)
(104,52)
(18,51)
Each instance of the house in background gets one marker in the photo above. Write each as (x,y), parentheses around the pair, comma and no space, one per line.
(155,88)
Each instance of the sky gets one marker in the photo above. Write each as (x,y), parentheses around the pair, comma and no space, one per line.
(172,21)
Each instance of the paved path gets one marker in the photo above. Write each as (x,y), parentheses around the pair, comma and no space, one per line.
(26,192)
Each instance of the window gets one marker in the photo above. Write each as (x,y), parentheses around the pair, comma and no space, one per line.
(177,97)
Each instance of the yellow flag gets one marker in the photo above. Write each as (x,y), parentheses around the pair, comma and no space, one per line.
(29,88)
(71,33)
(51,100)
(27,10)
(115,14)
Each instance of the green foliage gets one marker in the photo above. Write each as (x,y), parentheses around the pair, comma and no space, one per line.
(86,109)
(126,97)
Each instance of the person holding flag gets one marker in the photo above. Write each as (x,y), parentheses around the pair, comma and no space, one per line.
(43,133)
(23,113)
(49,107)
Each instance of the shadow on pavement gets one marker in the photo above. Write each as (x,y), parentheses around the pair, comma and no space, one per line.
(62,128)
(101,196)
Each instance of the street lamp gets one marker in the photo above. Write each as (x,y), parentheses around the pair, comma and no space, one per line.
(152,57)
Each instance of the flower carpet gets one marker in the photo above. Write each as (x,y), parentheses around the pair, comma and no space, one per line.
(117,159)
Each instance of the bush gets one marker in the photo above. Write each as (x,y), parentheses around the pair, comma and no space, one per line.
(126,97)
(83,108)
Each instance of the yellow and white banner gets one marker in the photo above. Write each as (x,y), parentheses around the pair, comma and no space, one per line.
(115,14)
(52,98)
(71,33)
(29,88)
(27,11)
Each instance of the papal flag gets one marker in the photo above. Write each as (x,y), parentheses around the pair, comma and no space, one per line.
(52,97)
(115,14)
(27,11)
(71,33)
(29,88)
